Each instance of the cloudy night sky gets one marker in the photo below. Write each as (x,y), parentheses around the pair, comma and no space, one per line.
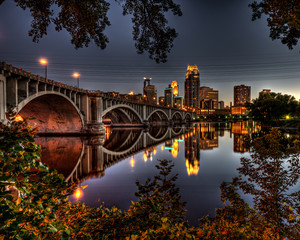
(216,35)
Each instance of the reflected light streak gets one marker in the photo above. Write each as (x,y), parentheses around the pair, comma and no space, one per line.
(132,162)
(145,156)
(192,169)
(175,149)
(162,148)
(78,194)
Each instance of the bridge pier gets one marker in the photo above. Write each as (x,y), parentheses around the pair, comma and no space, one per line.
(93,121)
(2,98)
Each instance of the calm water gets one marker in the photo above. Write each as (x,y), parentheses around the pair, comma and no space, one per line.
(205,155)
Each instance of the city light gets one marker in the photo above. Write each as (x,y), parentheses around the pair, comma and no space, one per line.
(18,118)
(44,62)
(131,93)
(76,75)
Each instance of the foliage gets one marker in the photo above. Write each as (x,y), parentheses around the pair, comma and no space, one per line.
(150,30)
(158,214)
(283,19)
(87,20)
(30,192)
(268,175)
(273,106)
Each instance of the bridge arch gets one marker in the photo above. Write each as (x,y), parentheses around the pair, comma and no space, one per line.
(158,111)
(188,116)
(52,112)
(176,115)
(122,106)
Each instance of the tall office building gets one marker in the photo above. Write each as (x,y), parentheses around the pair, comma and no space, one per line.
(209,98)
(149,92)
(169,97)
(192,87)
(242,94)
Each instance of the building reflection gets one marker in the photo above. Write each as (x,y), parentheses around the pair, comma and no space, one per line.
(192,150)
(209,136)
(82,158)
(242,132)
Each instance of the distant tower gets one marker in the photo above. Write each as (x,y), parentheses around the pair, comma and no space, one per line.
(175,87)
(264,91)
(149,92)
(242,94)
(192,87)
(209,98)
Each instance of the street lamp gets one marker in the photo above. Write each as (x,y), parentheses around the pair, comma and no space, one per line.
(76,75)
(44,61)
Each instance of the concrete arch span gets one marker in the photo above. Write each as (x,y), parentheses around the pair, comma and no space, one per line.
(121,106)
(188,117)
(158,111)
(52,112)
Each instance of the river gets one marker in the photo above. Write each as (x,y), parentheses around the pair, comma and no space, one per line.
(204,155)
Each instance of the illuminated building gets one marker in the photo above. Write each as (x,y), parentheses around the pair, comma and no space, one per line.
(161,101)
(192,88)
(178,102)
(169,97)
(242,94)
(239,110)
(175,87)
(209,98)
(149,92)
(264,91)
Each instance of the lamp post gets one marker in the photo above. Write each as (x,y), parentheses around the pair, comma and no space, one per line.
(76,75)
(44,61)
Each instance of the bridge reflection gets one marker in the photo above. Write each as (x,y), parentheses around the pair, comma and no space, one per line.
(79,158)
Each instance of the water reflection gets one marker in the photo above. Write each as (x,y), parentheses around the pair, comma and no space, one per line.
(79,158)
(125,155)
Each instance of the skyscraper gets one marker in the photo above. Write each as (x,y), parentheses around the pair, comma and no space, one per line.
(169,97)
(209,98)
(192,87)
(149,92)
(242,94)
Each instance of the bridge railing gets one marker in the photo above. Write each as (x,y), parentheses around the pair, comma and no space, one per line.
(19,71)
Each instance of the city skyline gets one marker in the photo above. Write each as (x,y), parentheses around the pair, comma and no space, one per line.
(226,46)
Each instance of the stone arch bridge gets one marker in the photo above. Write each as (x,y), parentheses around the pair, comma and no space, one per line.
(59,108)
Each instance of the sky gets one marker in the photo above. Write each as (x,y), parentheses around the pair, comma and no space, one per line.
(216,35)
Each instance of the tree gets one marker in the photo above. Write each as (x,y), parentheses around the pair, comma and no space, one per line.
(86,21)
(268,176)
(283,19)
(273,106)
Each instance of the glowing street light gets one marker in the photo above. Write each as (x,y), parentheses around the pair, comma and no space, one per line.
(44,61)
(76,75)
